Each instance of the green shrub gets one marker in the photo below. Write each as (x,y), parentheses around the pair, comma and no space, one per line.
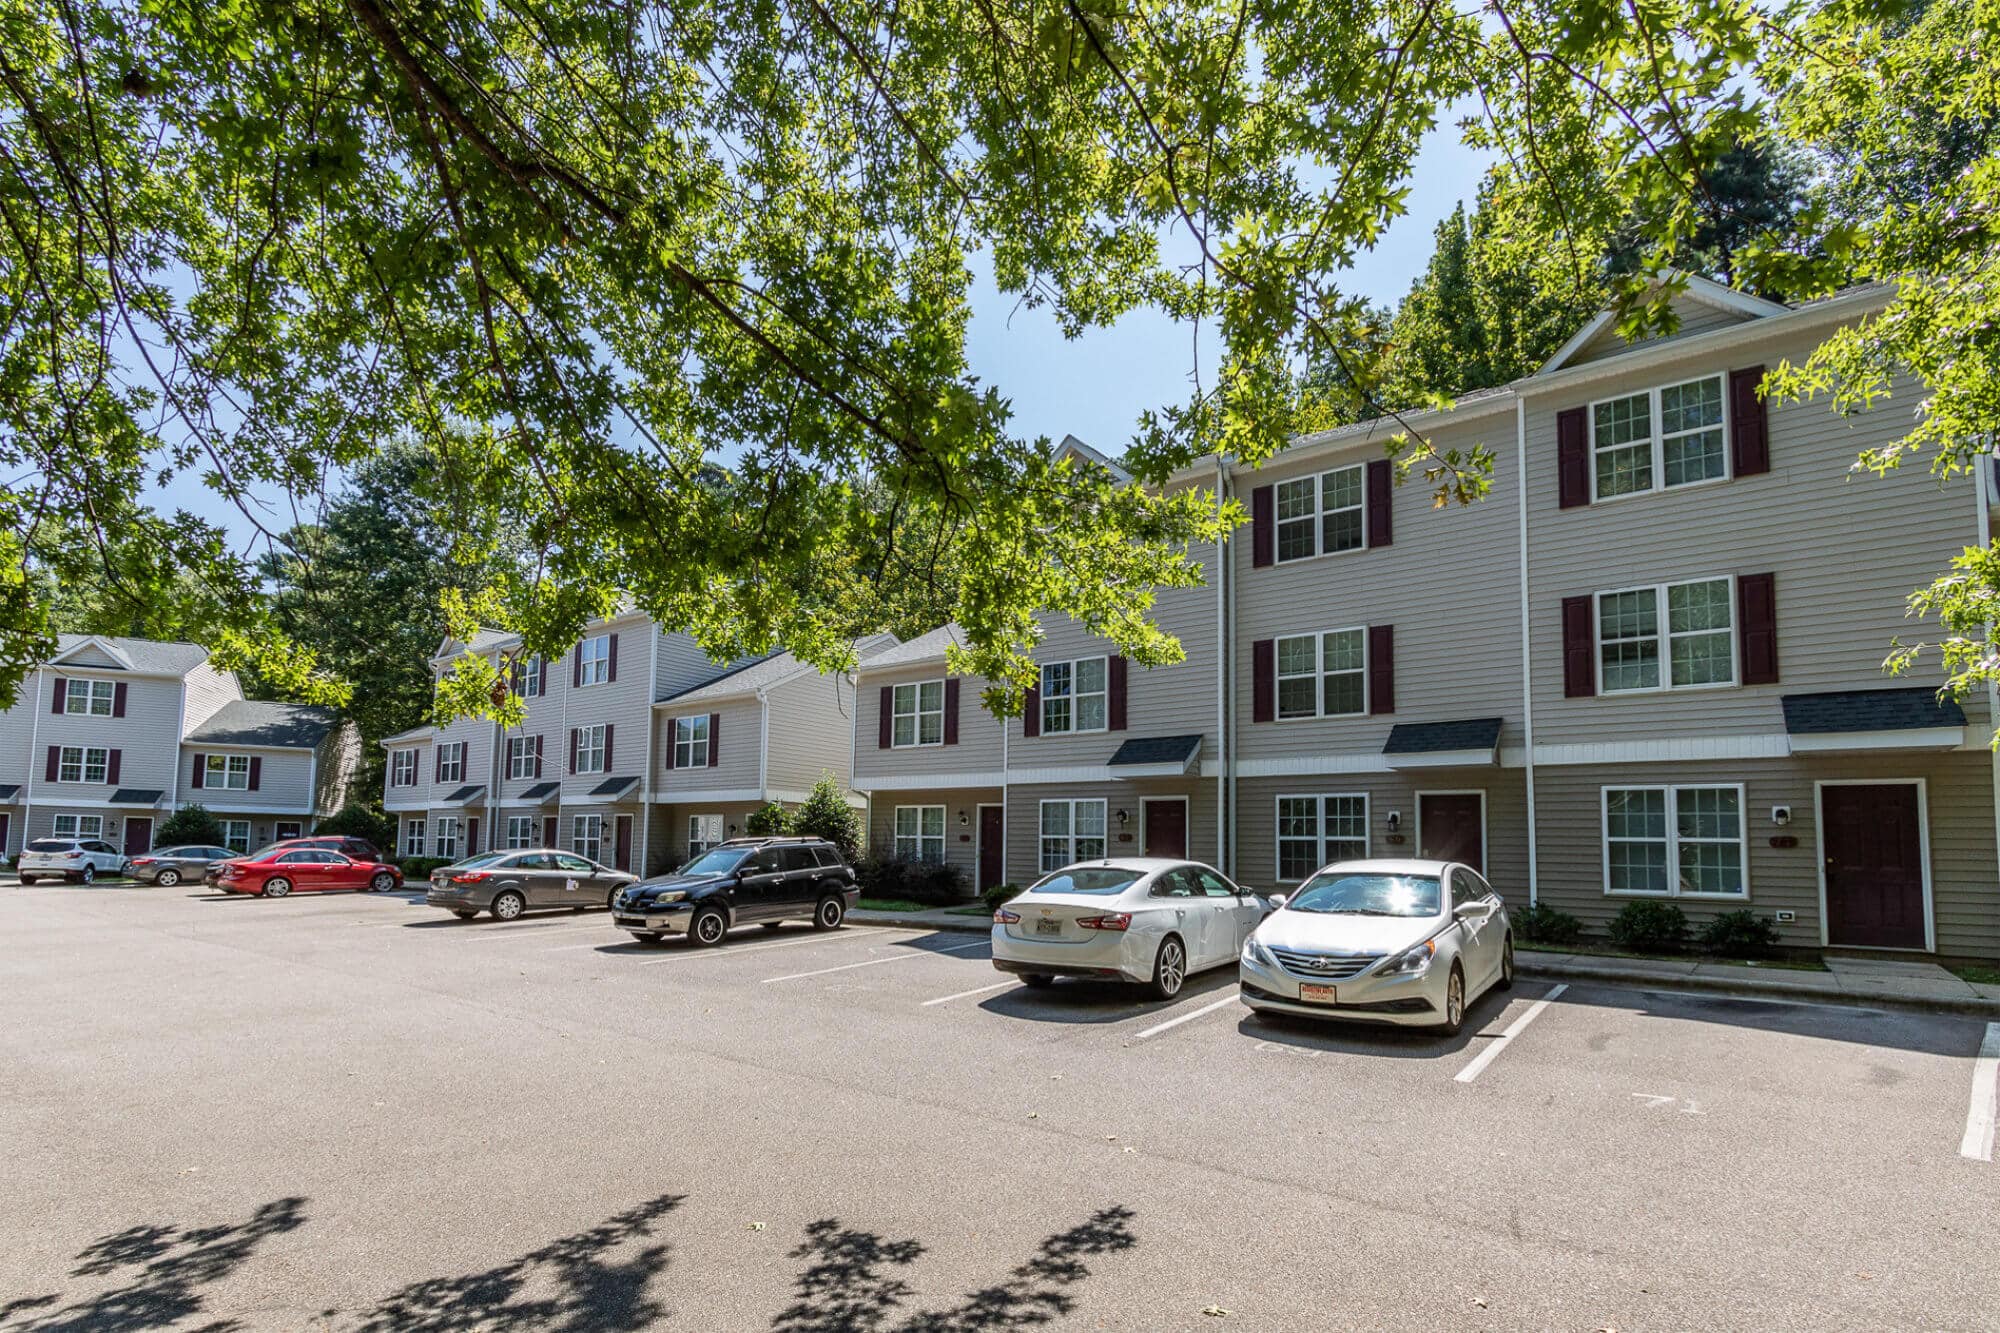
(1000,893)
(191,825)
(768,821)
(417,868)
(1542,924)
(1741,934)
(358,821)
(1648,927)
(826,814)
(932,883)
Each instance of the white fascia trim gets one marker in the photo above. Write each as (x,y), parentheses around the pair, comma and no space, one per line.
(1480,758)
(1688,749)
(110,650)
(934,781)
(264,808)
(1168,770)
(1097,773)
(1576,343)
(212,747)
(59,803)
(397,807)
(711,795)
(407,738)
(1914,738)
(1376,428)
(1316,765)
(1705,290)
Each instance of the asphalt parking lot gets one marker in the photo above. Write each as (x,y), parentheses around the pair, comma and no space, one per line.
(354,1112)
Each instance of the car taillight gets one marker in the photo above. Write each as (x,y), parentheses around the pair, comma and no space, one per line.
(470,877)
(1109,921)
(1007,918)
(142,860)
(72,856)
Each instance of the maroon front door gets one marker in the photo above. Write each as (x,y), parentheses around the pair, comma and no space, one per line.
(138,835)
(1449,828)
(992,845)
(1872,837)
(548,830)
(622,857)
(1166,828)
(472,837)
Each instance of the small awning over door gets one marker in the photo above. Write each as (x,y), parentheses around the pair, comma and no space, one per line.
(1855,720)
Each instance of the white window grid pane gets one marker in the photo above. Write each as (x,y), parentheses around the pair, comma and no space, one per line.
(1636,813)
(1340,509)
(1297,502)
(1345,655)
(1628,636)
(69,764)
(413,837)
(1298,685)
(1637,866)
(930,728)
(1697,456)
(236,836)
(595,657)
(1090,819)
(931,821)
(96,764)
(930,696)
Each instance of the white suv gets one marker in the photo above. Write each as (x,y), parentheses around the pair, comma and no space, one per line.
(79,861)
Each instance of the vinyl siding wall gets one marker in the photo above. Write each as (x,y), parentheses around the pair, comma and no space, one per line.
(339,759)
(667,834)
(18,732)
(976,757)
(414,798)
(284,781)
(1696,317)
(625,704)
(1024,814)
(812,731)
(207,691)
(148,736)
(881,821)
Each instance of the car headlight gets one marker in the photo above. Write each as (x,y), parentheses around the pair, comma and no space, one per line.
(1409,962)
(1253,952)
(670,896)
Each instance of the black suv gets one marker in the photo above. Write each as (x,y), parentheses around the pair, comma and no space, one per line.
(763,880)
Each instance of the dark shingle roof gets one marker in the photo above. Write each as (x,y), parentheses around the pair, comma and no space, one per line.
(7,790)
(730,672)
(1157,750)
(541,791)
(465,793)
(612,786)
(150,655)
(1473,733)
(136,796)
(254,722)
(1870,710)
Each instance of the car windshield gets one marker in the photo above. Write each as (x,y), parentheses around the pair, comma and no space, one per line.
(50,845)
(1104,880)
(717,862)
(1338,893)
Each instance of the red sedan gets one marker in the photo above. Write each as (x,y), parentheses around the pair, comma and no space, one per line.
(277,871)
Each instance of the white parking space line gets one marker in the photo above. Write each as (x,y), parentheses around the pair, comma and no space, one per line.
(1979,1120)
(967,994)
(737,951)
(516,931)
(611,937)
(1514,1029)
(876,962)
(1230,998)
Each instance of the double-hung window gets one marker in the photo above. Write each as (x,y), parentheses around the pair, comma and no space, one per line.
(413,837)
(520,831)
(1071,831)
(451,762)
(528,677)
(1073,696)
(916,714)
(84,763)
(1321,514)
(236,835)
(89,697)
(691,742)
(1323,675)
(447,836)
(920,832)
(1675,841)
(1658,438)
(704,831)
(593,657)
(1318,830)
(520,756)
(403,769)
(1688,627)
(226,772)
(587,836)
(79,826)
(590,749)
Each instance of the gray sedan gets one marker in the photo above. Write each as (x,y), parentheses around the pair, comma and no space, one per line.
(512,882)
(170,865)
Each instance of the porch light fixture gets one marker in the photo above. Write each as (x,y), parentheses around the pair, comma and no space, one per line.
(1124,818)
(1395,820)
(964,820)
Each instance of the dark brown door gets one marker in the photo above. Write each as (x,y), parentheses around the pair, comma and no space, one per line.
(548,830)
(622,842)
(1449,828)
(138,836)
(1166,828)
(992,846)
(1873,841)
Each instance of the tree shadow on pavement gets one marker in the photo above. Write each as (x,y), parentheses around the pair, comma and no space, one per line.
(162,1271)
(844,1289)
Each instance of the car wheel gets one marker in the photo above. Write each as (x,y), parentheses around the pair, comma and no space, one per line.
(382,882)
(1454,1003)
(166,879)
(27,880)
(89,875)
(611,899)
(707,928)
(1169,969)
(1506,981)
(276,887)
(508,905)
(466,916)
(830,913)
(1037,980)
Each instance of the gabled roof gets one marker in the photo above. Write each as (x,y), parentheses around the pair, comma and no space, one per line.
(1697,288)
(422,733)
(255,722)
(763,673)
(151,657)
(1071,447)
(923,649)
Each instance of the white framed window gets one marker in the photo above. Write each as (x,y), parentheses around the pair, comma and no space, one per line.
(704,831)
(1323,675)
(916,714)
(226,772)
(403,768)
(593,657)
(1071,831)
(520,831)
(89,697)
(80,826)
(528,682)
(1676,841)
(1321,514)
(451,762)
(920,832)
(446,841)
(586,836)
(413,837)
(520,756)
(1658,438)
(236,835)
(590,749)
(1074,696)
(1690,627)
(83,763)
(691,742)
(1318,830)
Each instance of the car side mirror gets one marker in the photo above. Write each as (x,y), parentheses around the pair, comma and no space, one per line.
(1466,911)
(1276,900)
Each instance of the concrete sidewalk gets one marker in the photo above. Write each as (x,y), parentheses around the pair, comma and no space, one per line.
(1858,981)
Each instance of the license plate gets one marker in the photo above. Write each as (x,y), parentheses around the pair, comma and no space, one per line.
(1317,994)
(1048,927)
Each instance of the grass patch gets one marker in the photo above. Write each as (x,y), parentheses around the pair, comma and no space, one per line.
(888,905)
(977,909)
(1978,974)
(1761,964)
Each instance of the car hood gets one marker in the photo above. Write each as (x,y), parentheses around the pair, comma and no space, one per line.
(1318,933)
(647,890)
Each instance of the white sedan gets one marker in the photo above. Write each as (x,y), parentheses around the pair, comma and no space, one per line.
(1406,942)
(1137,919)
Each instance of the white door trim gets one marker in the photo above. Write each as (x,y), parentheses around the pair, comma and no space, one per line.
(1923,855)
(1485,846)
(1187,817)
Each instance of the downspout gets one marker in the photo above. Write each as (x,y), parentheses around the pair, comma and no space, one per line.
(34,755)
(1222,803)
(1007,801)
(1527,656)
(1988,479)
(652,754)
(174,789)
(763,747)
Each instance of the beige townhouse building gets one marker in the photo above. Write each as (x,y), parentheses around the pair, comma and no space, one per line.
(111,735)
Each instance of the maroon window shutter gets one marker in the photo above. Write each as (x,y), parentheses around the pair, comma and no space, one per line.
(1263,524)
(538,756)
(1031,712)
(201,770)
(541,677)
(55,762)
(572,750)
(1114,704)
(114,764)
(885,734)
(61,695)
(1579,649)
(673,735)
(437,763)
(1264,680)
(1379,481)
(256,772)
(576,668)
(1757,608)
(607,748)
(611,659)
(118,699)
(1573,458)
(1749,430)
(951,710)
(1381,668)
(714,739)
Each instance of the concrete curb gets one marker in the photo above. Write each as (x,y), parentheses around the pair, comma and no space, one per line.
(971,925)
